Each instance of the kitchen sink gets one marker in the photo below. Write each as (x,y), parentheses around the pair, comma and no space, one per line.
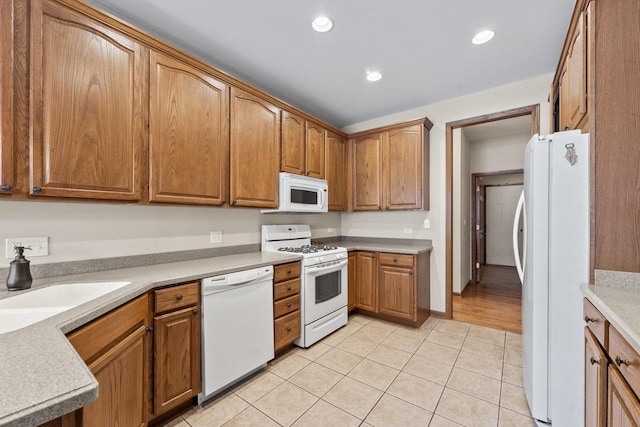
(31,307)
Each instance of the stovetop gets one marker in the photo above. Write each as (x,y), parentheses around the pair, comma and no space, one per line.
(295,239)
(308,249)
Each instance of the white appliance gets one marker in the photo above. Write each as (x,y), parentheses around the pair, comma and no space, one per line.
(237,327)
(323,281)
(554,265)
(300,193)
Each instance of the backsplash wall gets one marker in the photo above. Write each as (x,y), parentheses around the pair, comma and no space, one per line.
(80,231)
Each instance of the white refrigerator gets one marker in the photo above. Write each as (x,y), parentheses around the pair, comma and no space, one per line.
(555,262)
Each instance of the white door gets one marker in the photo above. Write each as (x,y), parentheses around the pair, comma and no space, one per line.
(501,207)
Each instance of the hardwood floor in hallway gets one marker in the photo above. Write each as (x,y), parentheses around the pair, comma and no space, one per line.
(494,302)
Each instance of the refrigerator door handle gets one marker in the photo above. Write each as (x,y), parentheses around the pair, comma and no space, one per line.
(520,209)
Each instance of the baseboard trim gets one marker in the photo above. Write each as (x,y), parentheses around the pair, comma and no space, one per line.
(440,314)
(456,294)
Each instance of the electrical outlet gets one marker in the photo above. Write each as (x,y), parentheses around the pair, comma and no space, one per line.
(216,237)
(426,224)
(39,246)
(331,230)
(407,230)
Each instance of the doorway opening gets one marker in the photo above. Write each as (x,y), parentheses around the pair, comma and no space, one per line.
(462,242)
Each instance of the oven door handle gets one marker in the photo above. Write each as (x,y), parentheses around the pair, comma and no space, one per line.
(315,270)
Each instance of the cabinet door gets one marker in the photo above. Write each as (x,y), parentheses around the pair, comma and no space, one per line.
(255,151)
(87,107)
(367,289)
(121,374)
(623,407)
(367,166)
(189,138)
(576,68)
(6,97)
(402,168)
(293,137)
(176,358)
(397,292)
(314,154)
(335,170)
(352,281)
(595,364)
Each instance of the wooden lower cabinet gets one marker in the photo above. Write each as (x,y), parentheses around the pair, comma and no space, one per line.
(176,358)
(117,349)
(286,305)
(395,287)
(595,364)
(623,408)
(352,271)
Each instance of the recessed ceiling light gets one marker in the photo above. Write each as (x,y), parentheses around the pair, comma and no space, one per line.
(322,24)
(373,76)
(483,37)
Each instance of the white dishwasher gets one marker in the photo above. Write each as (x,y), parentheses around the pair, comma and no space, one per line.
(237,327)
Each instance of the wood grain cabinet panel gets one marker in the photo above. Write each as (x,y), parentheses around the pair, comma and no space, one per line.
(595,364)
(88,111)
(286,305)
(396,292)
(188,138)
(314,153)
(352,271)
(402,168)
(336,171)
(576,67)
(6,98)
(623,406)
(367,289)
(293,143)
(367,173)
(255,151)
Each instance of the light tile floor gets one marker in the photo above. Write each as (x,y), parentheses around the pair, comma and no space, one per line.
(375,373)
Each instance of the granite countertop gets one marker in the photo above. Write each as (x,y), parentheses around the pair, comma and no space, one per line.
(42,377)
(384,245)
(619,304)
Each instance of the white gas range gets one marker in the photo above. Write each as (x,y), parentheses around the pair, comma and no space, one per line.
(323,282)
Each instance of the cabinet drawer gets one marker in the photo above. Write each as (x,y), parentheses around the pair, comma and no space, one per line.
(396,260)
(596,322)
(286,271)
(625,358)
(286,329)
(176,297)
(287,305)
(286,289)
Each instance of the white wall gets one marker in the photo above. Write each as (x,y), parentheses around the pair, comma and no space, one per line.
(518,94)
(498,154)
(461,211)
(79,231)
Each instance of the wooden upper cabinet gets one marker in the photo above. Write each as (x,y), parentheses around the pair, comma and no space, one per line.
(314,153)
(88,111)
(188,138)
(336,171)
(402,168)
(367,172)
(293,142)
(6,97)
(255,151)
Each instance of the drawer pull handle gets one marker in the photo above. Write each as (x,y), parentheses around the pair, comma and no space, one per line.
(411,273)
(620,362)
(196,311)
(395,260)
(289,305)
(6,187)
(588,319)
(179,297)
(594,361)
(289,329)
(288,288)
(289,271)
(37,189)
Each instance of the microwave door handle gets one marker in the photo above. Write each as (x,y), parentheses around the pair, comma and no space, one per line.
(323,195)
(314,270)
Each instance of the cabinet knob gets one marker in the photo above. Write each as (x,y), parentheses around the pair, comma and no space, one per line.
(195,311)
(234,201)
(379,208)
(289,305)
(224,201)
(288,288)
(149,329)
(6,187)
(387,207)
(289,329)
(588,319)
(179,297)
(620,362)
(567,127)
(289,271)
(395,260)
(37,189)
(594,361)
(411,273)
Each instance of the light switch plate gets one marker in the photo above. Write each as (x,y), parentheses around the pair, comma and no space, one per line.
(216,237)
(427,223)
(39,246)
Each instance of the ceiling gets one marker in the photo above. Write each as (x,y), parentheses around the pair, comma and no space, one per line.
(422,47)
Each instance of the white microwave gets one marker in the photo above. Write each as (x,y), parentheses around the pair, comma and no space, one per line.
(300,193)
